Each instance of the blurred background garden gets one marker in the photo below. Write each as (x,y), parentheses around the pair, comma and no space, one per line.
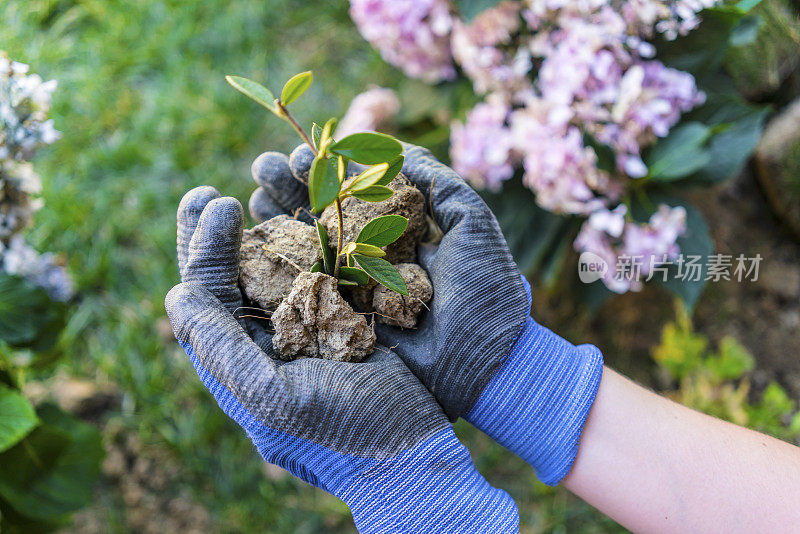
(681,136)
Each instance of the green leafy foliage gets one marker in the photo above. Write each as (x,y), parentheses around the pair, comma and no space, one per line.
(51,472)
(17,417)
(393,169)
(368,148)
(368,178)
(376,193)
(382,272)
(354,274)
(680,154)
(254,91)
(327,254)
(323,183)
(368,250)
(28,317)
(383,231)
(469,9)
(295,87)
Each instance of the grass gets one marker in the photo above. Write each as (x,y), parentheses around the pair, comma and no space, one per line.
(146,115)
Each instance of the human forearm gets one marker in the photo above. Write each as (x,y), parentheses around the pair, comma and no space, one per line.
(654,465)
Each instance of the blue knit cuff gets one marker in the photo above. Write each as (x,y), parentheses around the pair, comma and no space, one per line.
(431,488)
(537,404)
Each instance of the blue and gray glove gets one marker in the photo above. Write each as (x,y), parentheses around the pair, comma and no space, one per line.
(478,350)
(369,433)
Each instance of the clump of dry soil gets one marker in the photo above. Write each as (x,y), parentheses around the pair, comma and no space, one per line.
(309,314)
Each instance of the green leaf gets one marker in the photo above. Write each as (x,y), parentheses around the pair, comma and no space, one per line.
(382,231)
(731,148)
(295,87)
(17,417)
(376,193)
(255,91)
(395,166)
(368,178)
(317,268)
(52,471)
(382,272)
(606,160)
(28,317)
(368,250)
(327,131)
(469,9)
(344,282)
(680,154)
(353,274)
(323,183)
(316,134)
(368,148)
(328,260)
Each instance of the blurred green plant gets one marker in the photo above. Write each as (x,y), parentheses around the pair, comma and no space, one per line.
(716,381)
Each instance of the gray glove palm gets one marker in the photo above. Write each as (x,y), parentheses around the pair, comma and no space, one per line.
(369,433)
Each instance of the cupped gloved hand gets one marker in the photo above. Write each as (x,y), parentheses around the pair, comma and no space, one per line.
(369,433)
(477,350)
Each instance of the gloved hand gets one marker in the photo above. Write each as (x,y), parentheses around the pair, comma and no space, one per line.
(477,350)
(369,433)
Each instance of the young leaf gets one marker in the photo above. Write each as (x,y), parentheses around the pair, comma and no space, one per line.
(353,274)
(368,250)
(368,148)
(323,183)
(376,193)
(341,168)
(317,268)
(254,90)
(368,178)
(382,272)
(327,131)
(316,134)
(327,253)
(394,169)
(382,231)
(345,282)
(349,248)
(295,87)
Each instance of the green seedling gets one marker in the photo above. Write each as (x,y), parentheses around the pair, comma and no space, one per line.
(381,154)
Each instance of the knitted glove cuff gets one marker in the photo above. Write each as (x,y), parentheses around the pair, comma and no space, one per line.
(537,403)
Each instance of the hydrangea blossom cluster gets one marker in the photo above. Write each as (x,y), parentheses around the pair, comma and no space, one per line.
(631,250)
(551,72)
(24,127)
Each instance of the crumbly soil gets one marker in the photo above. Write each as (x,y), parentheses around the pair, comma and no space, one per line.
(314,321)
(271,256)
(399,310)
(407,201)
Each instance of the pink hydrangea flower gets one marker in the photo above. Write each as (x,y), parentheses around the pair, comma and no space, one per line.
(413,35)
(368,111)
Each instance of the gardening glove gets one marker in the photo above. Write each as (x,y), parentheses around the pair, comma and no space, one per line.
(369,433)
(478,350)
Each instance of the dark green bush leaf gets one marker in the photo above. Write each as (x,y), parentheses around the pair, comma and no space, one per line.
(382,272)
(17,417)
(255,91)
(680,154)
(382,231)
(323,183)
(327,254)
(295,87)
(28,318)
(732,147)
(368,148)
(376,193)
(52,471)
(606,160)
(395,166)
(317,268)
(353,274)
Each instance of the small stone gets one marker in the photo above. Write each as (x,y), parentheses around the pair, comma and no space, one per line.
(314,321)
(266,274)
(399,310)
(407,201)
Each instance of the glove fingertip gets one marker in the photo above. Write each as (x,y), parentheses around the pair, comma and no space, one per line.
(300,162)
